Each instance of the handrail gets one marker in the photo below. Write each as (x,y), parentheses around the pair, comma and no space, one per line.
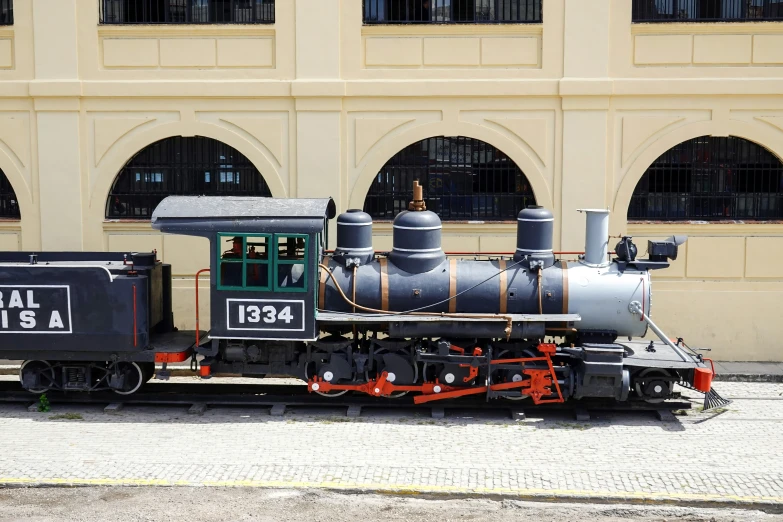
(198,331)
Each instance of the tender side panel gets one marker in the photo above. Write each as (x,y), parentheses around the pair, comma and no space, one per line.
(64,310)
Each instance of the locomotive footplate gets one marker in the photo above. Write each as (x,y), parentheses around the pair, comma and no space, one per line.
(654,354)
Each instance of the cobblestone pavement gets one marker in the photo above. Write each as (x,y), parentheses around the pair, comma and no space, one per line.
(730,455)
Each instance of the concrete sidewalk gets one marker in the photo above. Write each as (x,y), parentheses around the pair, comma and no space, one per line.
(725,371)
(721,457)
(749,371)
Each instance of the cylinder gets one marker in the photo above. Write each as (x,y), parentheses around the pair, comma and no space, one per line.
(417,241)
(534,236)
(596,236)
(354,238)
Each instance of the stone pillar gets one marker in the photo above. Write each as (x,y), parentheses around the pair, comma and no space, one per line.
(56,92)
(318,39)
(585,91)
(319,91)
(319,158)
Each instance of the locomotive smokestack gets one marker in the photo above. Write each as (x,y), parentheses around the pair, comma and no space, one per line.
(418,198)
(596,236)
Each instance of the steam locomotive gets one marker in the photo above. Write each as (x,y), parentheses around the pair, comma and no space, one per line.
(409,321)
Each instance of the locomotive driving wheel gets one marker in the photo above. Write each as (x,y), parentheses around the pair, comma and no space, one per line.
(400,367)
(512,375)
(327,375)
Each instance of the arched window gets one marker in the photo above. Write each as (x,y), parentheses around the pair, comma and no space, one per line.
(463,179)
(9,205)
(711,179)
(192,166)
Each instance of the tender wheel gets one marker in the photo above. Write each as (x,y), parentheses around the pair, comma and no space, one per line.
(44,372)
(125,378)
(148,370)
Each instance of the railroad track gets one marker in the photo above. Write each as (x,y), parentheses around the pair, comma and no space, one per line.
(282,397)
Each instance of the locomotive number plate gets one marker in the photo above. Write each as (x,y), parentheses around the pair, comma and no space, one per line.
(35,309)
(265,314)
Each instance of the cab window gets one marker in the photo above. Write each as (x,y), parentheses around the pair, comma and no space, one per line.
(243,262)
(262,262)
(290,272)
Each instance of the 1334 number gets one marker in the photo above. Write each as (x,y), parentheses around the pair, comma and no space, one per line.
(267,314)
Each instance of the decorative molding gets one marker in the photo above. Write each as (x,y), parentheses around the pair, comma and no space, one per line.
(369,131)
(184,31)
(531,131)
(454,30)
(708,229)
(268,131)
(15,133)
(107,131)
(775,121)
(638,129)
(708,28)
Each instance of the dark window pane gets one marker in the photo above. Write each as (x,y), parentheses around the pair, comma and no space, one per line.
(6,12)
(463,179)
(706,10)
(711,179)
(193,166)
(9,206)
(186,11)
(257,275)
(452,11)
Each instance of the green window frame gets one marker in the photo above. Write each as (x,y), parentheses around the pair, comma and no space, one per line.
(245,261)
(291,262)
(270,264)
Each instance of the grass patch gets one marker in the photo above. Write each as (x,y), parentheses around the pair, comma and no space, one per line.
(572,425)
(67,416)
(332,420)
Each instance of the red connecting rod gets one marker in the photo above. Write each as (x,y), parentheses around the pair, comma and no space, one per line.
(537,385)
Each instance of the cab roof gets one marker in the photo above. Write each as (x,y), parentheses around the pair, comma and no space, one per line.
(208,214)
(242,207)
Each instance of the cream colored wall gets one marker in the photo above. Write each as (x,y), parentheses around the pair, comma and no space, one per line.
(583,103)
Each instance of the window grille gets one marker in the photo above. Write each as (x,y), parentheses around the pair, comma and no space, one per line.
(706,10)
(452,11)
(711,179)
(9,206)
(6,12)
(463,179)
(192,166)
(187,11)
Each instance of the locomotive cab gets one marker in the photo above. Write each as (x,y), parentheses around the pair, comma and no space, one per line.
(264,261)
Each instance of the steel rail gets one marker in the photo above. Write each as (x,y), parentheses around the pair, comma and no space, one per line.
(259,395)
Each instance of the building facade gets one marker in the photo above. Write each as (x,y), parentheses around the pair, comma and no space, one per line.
(667,112)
